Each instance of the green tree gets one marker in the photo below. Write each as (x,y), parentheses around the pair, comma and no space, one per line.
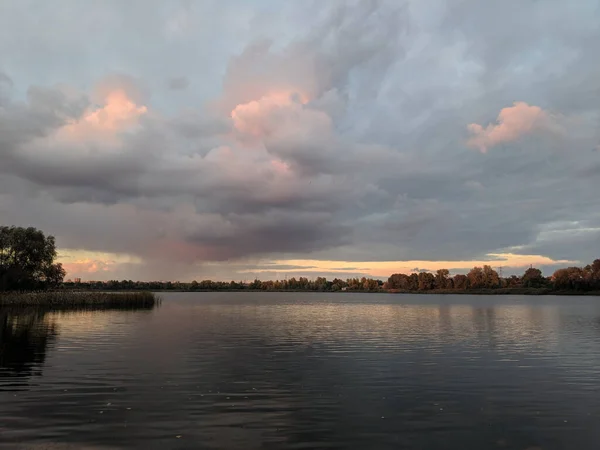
(513,281)
(532,278)
(27,260)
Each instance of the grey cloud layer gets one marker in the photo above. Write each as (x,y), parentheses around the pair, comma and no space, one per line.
(365,159)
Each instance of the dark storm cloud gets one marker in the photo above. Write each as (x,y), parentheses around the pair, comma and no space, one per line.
(45,110)
(245,235)
(349,137)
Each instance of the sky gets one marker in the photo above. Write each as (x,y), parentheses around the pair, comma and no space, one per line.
(181,140)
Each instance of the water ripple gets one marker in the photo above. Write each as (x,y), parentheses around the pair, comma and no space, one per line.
(295,371)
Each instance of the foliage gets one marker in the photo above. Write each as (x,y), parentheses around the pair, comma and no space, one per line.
(533,278)
(478,279)
(27,263)
(485,278)
(27,260)
(320,284)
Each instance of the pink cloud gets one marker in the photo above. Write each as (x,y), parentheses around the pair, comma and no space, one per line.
(88,266)
(512,123)
(255,118)
(117,113)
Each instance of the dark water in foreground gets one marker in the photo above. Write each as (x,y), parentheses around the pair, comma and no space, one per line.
(304,371)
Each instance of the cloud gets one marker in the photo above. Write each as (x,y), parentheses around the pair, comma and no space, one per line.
(178,83)
(513,122)
(307,132)
(383,269)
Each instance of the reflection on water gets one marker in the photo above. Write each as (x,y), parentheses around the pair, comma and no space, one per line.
(27,333)
(305,371)
(24,336)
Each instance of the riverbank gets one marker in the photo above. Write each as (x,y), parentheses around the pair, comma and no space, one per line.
(498,291)
(79,299)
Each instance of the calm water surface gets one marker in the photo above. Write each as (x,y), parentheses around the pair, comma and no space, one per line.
(305,371)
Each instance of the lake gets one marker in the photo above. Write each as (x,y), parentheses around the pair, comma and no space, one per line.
(305,371)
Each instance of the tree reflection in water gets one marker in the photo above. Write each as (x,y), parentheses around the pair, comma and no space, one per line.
(25,334)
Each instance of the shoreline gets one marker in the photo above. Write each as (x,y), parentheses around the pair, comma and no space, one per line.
(77,299)
(490,292)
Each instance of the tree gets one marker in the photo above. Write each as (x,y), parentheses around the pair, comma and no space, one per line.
(532,278)
(476,278)
(338,284)
(485,277)
(413,282)
(490,277)
(441,279)
(461,281)
(513,281)
(27,260)
(426,281)
(371,284)
(596,269)
(595,275)
(399,281)
(569,278)
(54,276)
(321,284)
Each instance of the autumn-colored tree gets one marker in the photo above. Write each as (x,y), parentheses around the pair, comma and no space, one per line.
(426,281)
(353,284)
(303,283)
(413,282)
(491,278)
(595,275)
(399,281)
(373,284)
(476,278)
(460,281)
(441,278)
(596,268)
(571,278)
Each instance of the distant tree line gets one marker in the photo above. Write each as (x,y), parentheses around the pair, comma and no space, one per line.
(27,263)
(570,279)
(320,284)
(582,279)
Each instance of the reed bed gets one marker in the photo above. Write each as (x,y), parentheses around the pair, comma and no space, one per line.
(80,299)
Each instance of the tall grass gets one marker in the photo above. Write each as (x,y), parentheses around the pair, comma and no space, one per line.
(80,299)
